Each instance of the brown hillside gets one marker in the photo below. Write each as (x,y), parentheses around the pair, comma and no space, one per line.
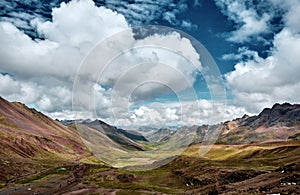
(29,140)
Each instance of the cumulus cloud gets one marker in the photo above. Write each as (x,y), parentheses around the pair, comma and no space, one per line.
(141,73)
(8,85)
(158,65)
(89,24)
(41,71)
(67,40)
(185,113)
(290,10)
(259,82)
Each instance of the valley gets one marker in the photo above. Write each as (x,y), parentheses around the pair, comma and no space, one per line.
(253,155)
(244,169)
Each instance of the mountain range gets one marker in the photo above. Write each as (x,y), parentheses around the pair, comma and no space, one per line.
(32,144)
(279,123)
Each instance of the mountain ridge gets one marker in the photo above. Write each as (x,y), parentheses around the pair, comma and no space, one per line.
(279,122)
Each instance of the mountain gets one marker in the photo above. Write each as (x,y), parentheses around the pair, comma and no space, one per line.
(279,123)
(279,115)
(125,138)
(31,141)
(156,135)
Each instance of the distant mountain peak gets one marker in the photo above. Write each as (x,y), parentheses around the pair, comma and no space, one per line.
(245,116)
(280,122)
(280,114)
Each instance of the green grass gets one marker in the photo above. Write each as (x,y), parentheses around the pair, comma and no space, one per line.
(157,180)
(171,178)
(267,154)
(131,192)
(92,160)
(54,171)
(2,185)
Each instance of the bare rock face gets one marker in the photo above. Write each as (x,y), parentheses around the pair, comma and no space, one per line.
(281,122)
(279,115)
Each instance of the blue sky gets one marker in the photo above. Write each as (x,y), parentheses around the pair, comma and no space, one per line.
(255,45)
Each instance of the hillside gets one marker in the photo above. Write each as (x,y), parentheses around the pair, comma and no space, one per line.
(31,141)
(124,138)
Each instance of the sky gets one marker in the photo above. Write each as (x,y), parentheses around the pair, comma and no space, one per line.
(86,59)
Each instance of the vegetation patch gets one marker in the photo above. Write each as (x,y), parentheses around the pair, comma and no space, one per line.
(55,171)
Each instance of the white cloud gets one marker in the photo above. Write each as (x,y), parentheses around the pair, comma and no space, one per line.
(139,12)
(90,24)
(170,17)
(152,65)
(188,25)
(249,23)
(186,113)
(42,71)
(157,64)
(243,53)
(148,116)
(171,114)
(290,9)
(67,40)
(8,85)
(143,12)
(15,90)
(260,82)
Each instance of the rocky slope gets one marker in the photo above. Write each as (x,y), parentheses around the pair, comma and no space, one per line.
(123,138)
(279,123)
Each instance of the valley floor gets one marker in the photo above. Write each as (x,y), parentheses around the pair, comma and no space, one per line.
(269,168)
